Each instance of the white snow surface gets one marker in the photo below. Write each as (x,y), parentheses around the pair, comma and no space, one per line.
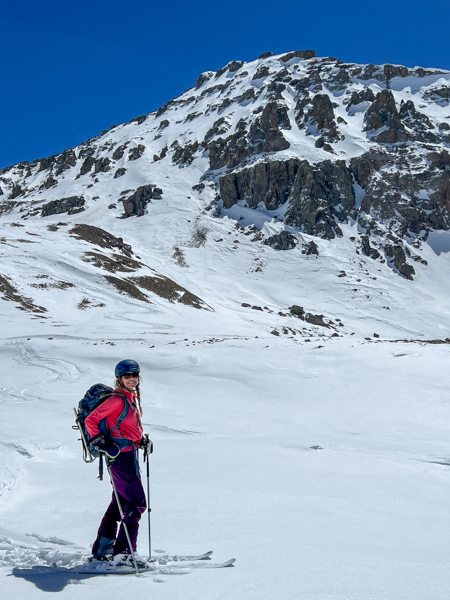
(321,463)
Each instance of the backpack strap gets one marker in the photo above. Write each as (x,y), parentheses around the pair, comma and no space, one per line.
(123,415)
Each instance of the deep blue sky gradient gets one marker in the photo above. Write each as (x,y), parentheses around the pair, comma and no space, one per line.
(71,69)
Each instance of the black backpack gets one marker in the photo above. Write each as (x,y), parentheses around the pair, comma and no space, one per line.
(95,396)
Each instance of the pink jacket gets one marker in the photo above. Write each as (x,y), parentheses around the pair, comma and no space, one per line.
(131,428)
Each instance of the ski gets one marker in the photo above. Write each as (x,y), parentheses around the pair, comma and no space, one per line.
(181,558)
(209,565)
(104,568)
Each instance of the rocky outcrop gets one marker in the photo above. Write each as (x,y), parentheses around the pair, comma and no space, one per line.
(311,249)
(219,127)
(87,165)
(65,161)
(281,241)
(365,95)
(322,116)
(319,195)
(119,151)
(102,165)
(136,152)
(70,205)
(382,120)
(303,54)
(367,249)
(231,67)
(184,155)
(266,182)
(135,204)
(16,191)
(264,136)
(322,195)
(418,125)
(405,202)
(204,77)
(397,258)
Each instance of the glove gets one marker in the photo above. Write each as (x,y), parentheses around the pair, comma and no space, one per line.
(99,444)
(146,444)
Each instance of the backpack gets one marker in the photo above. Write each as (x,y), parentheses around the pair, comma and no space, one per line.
(96,395)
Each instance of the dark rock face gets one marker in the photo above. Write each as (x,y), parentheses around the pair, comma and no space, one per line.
(47,163)
(71,205)
(339,81)
(263,71)
(184,155)
(365,95)
(281,241)
(266,55)
(164,123)
(136,153)
(397,257)
(219,128)
(87,165)
(418,125)
(264,136)
(65,161)
(367,249)
(49,183)
(405,202)
(119,173)
(204,77)
(383,113)
(16,192)
(311,249)
(267,182)
(296,310)
(322,115)
(134,205)
(231,67)
(439,95)
(312,319)
(318,194)
(304,54)
(321,195)
(119,151)
(102,165)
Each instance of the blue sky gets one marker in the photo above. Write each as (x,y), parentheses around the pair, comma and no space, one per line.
(71,69)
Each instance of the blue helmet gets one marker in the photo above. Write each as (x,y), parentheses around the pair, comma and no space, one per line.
(126,366)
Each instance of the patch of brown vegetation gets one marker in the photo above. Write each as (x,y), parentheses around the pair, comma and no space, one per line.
(57,285)
(127,288)
(168,289)
(114,264)
(100,237)
(12,294)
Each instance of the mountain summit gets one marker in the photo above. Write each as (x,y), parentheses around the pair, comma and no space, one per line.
(294,149)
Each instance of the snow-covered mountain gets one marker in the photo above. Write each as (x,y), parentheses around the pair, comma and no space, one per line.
(271,246)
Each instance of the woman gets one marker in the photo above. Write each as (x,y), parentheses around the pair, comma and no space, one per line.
(121,453)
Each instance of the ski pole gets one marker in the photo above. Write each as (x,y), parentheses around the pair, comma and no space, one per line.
(148,451)
(122,518)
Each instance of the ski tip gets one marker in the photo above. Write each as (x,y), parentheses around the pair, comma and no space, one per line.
(230,563)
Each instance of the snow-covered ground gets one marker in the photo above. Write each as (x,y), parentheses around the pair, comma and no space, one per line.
(323,470)
(320,463)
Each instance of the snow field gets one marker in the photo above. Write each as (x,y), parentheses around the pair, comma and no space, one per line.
(362,515)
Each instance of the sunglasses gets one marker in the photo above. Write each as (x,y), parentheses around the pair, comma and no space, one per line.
(130,375)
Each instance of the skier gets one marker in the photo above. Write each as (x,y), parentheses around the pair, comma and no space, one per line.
(122,459)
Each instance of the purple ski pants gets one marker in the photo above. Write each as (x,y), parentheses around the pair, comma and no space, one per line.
(125,472)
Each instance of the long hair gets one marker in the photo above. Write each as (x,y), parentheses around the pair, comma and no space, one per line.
(119,386)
